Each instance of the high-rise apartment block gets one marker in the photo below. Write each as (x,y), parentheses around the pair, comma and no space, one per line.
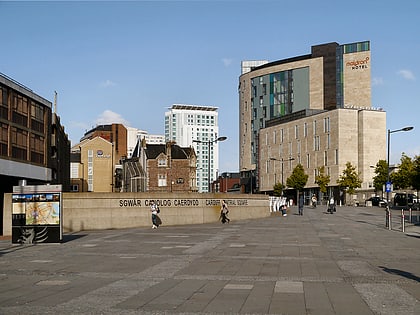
(197,126)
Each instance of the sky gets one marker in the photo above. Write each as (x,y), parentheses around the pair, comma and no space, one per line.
(129,61)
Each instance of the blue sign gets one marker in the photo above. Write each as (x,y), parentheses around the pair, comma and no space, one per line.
(388,187)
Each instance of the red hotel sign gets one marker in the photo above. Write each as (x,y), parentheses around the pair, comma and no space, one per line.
(358,64)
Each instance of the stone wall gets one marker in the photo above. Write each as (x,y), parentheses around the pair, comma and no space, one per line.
(97,211)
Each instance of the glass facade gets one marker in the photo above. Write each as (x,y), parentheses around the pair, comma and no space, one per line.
(275,95)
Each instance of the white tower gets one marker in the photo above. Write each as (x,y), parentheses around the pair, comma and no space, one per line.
(197,126)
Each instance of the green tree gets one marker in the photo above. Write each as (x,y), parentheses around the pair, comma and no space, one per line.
(381,171)
(403,178)
(416,174)
(350,179)
(297,179)
(278,189)
(322,180)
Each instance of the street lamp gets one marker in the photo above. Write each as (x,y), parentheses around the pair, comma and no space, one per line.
(209,143)
(388,183)
(282,168)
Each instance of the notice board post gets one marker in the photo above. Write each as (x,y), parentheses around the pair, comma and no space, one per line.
(37,214)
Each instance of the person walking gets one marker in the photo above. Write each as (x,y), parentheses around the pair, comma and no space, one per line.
(224,212)
(331,205)
(154,209)
(314,200)
(300,204)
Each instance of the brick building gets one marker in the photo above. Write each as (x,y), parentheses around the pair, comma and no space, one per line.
(170,168)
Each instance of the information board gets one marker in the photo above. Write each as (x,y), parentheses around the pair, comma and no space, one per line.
(36,214)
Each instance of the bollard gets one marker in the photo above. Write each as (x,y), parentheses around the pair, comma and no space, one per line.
(388,219)
(402,221)
(410,218)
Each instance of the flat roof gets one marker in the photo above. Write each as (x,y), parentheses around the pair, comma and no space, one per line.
(194,107)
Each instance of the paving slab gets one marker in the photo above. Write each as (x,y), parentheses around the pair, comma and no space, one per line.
(318,263)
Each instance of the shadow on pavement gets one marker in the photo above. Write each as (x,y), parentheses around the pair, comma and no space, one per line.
(401,273)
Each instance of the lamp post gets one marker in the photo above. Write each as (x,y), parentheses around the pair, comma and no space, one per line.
(388,221)
(282,170)
(209,143)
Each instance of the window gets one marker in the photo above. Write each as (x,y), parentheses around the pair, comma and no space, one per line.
(325,158)
(336,156)
(314,126)
(161,180)
(162,162)
(316,143)
(296,132)
(308,160)
(327,124)
(305,130)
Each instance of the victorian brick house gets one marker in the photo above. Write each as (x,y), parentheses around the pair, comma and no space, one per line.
(171,168)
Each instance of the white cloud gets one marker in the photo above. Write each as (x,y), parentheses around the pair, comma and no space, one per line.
(227,62)
(406,74)
(109,117)
(108,83)
(377,81)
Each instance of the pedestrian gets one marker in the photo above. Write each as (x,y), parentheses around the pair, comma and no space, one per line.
(331,205)
(154,209)
(314,200)
(224,212)
(300,204)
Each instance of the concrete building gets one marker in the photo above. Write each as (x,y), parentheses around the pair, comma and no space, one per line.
(33,145)
(197,126)
(314,110)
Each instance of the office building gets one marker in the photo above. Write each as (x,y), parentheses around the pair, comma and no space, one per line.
(197,126)
(34,148)
(313,109)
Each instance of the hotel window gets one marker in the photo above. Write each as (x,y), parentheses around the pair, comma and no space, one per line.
(296,132)
(305,130)
(314,126)
(316,143)
(328,141)
(281,135)
(290,148)
(274,136)
(261,101)
(265,89)
(90,170)
(336,156)
(327,124)
(325,158)
(308,161)
(298,147)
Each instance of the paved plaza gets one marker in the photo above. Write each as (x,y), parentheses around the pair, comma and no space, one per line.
(315,264)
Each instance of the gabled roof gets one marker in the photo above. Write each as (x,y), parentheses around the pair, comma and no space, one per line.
(153,151)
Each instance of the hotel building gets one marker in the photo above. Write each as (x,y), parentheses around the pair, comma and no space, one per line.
(314,110)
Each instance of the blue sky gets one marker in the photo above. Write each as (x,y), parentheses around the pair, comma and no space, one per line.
(130,61)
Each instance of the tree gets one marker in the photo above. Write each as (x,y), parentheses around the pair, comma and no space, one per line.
(416,174)
(381,171)
(403,178)
(322,179)
(350,179)
(278,189)
(297,180)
